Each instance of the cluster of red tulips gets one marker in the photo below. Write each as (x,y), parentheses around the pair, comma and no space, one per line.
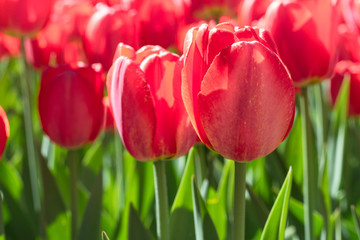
(171,74)
(75,43)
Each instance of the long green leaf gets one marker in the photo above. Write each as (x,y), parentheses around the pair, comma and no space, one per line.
(204,225)
(297,210)
(137,230)
(181,218)
(197,211)
(104,236)
(337,137)
(217,211)
(53,202)
(90,227)
(356,220)
(276,222)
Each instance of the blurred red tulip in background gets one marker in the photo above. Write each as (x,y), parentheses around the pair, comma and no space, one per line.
(236,90)
(146,100)
(60,41)
(4,130)
(158,22)
(106,28)
(351,69)
(24,17)
(304,32)
(70,104)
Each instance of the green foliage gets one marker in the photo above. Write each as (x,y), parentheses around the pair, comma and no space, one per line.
(276,222)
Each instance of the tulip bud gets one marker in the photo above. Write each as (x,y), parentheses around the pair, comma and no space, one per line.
(146,101)
(24,17)
(236,90)
(106,28)
(4,130)
(70,104)
(351,69)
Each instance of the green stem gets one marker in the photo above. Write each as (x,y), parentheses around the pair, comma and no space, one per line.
(162,214)
(27,96)
(239,201)
(309,183)
(120,180)
(119,166)
(2,230)
(73,168)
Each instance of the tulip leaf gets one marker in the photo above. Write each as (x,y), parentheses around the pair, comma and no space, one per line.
(217,211)
(137,230)
(204,226)
(276,222)
(139,191)
(224,185)
(60,228)
(90,226)
(10,179)
(104,236)
(356,220)
(181,217)
(53,202)
(297,210)
(337,137)
(260,208)
(294,152)
(184,191)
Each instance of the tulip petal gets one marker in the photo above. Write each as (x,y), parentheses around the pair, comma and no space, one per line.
(192,75)
(133,108)
(174,133)
(248,96)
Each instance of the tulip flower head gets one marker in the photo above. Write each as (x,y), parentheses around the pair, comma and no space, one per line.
(351,69)
(24,17)
(70,104)
(4,130)
(304,32)
(106,28)
(146,100)
(236,90)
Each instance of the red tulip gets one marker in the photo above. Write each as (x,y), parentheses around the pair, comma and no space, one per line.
(236,90)
(349,43)
(158,22)
(4,130)
(146,101)
(252,10)
(351,14)
(351,69)
(304,32)
(70,104)
(106,28)
(24,17)
(60,40)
